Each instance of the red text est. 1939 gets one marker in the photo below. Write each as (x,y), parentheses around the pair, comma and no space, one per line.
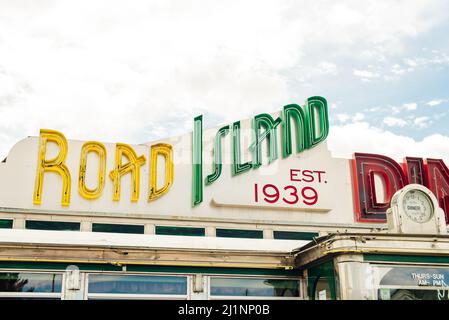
(291,194)
(288,194)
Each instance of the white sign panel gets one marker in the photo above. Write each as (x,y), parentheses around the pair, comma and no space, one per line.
(179,177)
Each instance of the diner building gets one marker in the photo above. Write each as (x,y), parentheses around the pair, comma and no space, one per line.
(255,209)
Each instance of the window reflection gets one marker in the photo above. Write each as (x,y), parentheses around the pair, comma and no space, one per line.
(133,284)
(412,294)
(413,283)
(415,276)
(254,287)
(30,282)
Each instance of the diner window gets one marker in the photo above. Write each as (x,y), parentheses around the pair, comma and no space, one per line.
(52,225)
(123,286)
(412,283)
(180,231)
(237,233)
(5,224)
(293,235)
(30,285)
(224,287)
(412,294)
(117,228)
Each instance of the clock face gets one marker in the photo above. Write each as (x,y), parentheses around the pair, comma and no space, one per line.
(418,206)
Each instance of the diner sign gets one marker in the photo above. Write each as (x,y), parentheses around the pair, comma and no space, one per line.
(306,122)
(272,168)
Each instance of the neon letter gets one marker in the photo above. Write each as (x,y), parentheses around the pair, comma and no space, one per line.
(438,177)
(317,106)
(132,166)
(100,150)
(197,161)
(237,167)
(415,170)
(295,112)
(166,151)
(217,156)
(267,122)
(53,165)
(365,167)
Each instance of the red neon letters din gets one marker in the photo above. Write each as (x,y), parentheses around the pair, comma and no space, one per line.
(432,173)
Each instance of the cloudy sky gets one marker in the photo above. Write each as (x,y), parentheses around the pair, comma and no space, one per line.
(135,71)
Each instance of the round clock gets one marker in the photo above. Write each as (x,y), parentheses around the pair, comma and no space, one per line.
(417,206)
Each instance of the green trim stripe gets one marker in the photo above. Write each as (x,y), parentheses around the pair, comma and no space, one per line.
(404,258)
(56,266)
(140,268)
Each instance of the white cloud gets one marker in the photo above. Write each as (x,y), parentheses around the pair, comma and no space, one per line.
(412,63)
(432,58)
(394,122)
(343,117)
(398,70)
(327,68)
(410,106)
(111,71)
(406,106)
(374,109)
(436,102)
(374,54)
(358,117)
(438,58)
(344,140)
(365,75)
(422,122)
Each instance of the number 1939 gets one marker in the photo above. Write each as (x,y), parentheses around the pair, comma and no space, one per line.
(288,194)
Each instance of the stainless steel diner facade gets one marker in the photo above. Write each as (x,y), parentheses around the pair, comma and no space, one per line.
(41,264)
(87,265)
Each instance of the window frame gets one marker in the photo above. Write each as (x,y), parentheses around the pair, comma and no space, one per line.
(34,295)
(259,231)
(9,220)
(299,279)
(179,227)
(377,279)
(302,235)
(132,296)
(117,224)
(51,221)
